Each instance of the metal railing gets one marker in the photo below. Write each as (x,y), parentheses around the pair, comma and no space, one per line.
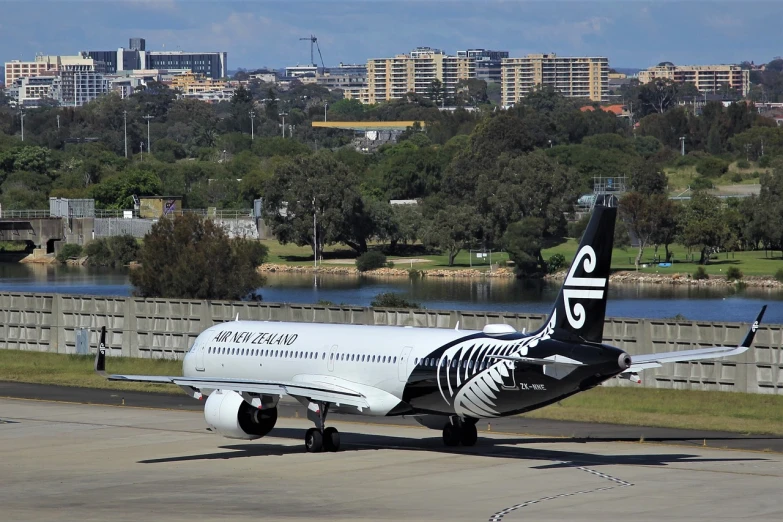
(121,213)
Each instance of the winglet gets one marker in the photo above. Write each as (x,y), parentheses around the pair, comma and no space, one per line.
(755,326)
(100,356)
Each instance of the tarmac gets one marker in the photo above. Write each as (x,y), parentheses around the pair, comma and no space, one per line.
(69,461)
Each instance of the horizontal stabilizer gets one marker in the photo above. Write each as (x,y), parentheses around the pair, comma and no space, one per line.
(554,359)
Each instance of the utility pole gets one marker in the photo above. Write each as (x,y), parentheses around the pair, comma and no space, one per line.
(21,115)
(315,238)
(283,115)
(682,142)
(252,125)
(141,147)
(125,125)
(148,118)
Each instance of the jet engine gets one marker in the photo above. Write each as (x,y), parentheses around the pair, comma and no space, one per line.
(229,414)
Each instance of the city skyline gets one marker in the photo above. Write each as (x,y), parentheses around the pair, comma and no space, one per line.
(631,33)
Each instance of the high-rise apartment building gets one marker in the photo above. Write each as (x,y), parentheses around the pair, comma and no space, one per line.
(488,63)
(574,77)
(706,78)
(417,72)
(138,44)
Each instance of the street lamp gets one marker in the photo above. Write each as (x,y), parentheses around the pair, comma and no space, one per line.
(21,115)
(682,143)
(283,114)
(252,125)
(141,147)
(326,105)
(148,118)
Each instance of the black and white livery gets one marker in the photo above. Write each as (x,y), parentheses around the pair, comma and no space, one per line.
(446,379)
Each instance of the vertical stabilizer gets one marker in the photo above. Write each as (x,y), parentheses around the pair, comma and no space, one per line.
(581,305)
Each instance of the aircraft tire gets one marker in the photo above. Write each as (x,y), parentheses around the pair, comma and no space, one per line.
(331,439)
(468,434)
(314,441)
(451,435)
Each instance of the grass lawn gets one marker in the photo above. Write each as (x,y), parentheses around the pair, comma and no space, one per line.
(291,254)
(77,370)
(723,411)
(750,263)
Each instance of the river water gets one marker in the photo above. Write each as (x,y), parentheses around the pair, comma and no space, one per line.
(504,295)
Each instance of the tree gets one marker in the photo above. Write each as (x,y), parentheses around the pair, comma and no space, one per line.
(523,242)
(649,178)
(703,225)
(667,222)
(452,229)
(118,191)
(639,215)
(193,258)
(317,184)
(658,96)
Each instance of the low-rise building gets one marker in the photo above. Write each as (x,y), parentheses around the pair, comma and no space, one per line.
(706,78)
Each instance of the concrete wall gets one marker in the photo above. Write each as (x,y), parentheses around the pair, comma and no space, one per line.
(167,327)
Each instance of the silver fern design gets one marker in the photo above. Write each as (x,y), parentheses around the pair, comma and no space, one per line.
(470,378)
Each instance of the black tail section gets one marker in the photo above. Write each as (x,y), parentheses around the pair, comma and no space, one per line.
(581,306)
(755,326)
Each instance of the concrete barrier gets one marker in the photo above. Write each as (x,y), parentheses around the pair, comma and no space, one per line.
(166,328)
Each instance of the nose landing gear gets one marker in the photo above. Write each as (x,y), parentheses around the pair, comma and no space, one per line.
(460,431)
(320,438)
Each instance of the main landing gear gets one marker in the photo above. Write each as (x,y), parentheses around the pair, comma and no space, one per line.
(320,438)
(460,431)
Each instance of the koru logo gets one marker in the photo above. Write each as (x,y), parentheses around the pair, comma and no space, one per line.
(582,287)
(754,327)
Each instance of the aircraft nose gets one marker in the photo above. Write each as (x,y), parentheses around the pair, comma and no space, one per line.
(624,361)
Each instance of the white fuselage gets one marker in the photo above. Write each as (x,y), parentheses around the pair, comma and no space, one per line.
(373,359)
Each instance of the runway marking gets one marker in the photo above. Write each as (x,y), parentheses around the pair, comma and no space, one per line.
(620,483)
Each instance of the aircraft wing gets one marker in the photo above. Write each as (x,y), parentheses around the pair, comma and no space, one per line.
(317,392)
(656,360)
(553,359)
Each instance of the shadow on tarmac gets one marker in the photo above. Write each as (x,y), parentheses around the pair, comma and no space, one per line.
(486,447)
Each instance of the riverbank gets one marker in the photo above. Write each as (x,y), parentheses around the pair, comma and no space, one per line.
(621,277)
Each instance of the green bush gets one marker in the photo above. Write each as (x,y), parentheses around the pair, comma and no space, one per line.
(577,228)
(733,273)
(370,260)
(743,164)
(700,273)
(701,183)
(392,300)
(712,167)
(415,273)
(389,264)
(685,161)
(779,275)
(112,251)
(556,263)
(765,161)
(69,251)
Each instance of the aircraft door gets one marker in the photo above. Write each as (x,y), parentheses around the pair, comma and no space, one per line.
(402,364)
(332,355)
(200,358)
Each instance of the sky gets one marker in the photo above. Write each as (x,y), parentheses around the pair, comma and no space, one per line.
(263,33)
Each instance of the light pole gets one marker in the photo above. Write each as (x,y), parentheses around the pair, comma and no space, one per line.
(283,115)
(21,115)
(682,143)
(252,125)
(58,122)
(326,105)
(148,118)
(125,125)
(315,237)
(141,146)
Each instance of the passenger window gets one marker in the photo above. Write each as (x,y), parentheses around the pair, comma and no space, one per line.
(395,360)
(324,357)
(331,357)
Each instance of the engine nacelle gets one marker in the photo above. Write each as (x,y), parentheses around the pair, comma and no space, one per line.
(229,414)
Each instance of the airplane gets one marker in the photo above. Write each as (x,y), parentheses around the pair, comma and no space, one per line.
(446,379)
